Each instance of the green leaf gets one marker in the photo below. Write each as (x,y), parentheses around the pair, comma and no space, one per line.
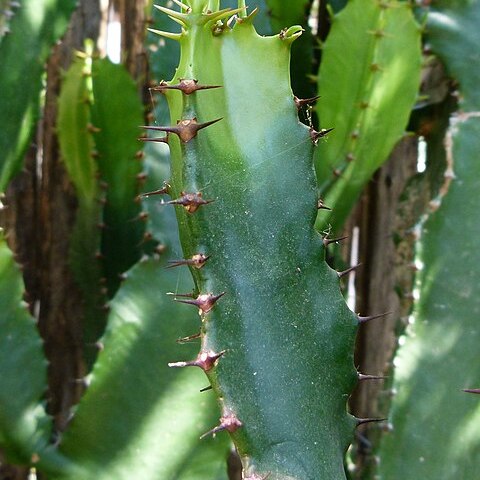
(368,82)
(139,418)
(23,52)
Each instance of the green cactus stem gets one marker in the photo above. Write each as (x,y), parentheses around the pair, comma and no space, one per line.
(33,29)
(368,83)
(276,335)
(434,423)
(25,428)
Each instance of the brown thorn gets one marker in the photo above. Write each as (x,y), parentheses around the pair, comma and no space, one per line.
(205,389)
(205,302)
(328,241)
(197,261)
(362,377)
(471,390)
(205,360)
(161,191)
(361,421)
(187,295)
(191,201)
(187,86)
(186,129)
(347,271)
(315,136)
(322,206)
(157,139)
(300,102)
(195,336)
(228,422)
(372,317)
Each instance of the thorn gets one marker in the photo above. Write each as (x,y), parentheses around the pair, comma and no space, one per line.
(328,241)
(92,128)
(471,390)
(156,139)
(160,248)
(254,476)
(347,271)
(189,338)
(205,389)
(350,157)
(170,35)
(178,17)
(322,206)
(187,86)
(161,191)
(205,302)
(182,5)
(185,129)
(191,201)
(315,136)
(123,276)
(196,261)
(361,421)
(228,422)
(205,360)
(372,317)
(185,295)
(220,15)
(300,102)
(362,377)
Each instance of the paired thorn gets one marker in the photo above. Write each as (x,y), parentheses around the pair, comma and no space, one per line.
(190,338)
(156,139)
(182,5)
(205,360)
(170,35)
(185,129)
(372,317)
(179,17)
(221,14)
(300,102)
(471,390)
(196,261)
(362,421)
(187,86)
(316,136)
(191,201)
(322,206)
(362,377)
(347,271)
(161,191)
(205,302)
(329,241)
(228,422)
